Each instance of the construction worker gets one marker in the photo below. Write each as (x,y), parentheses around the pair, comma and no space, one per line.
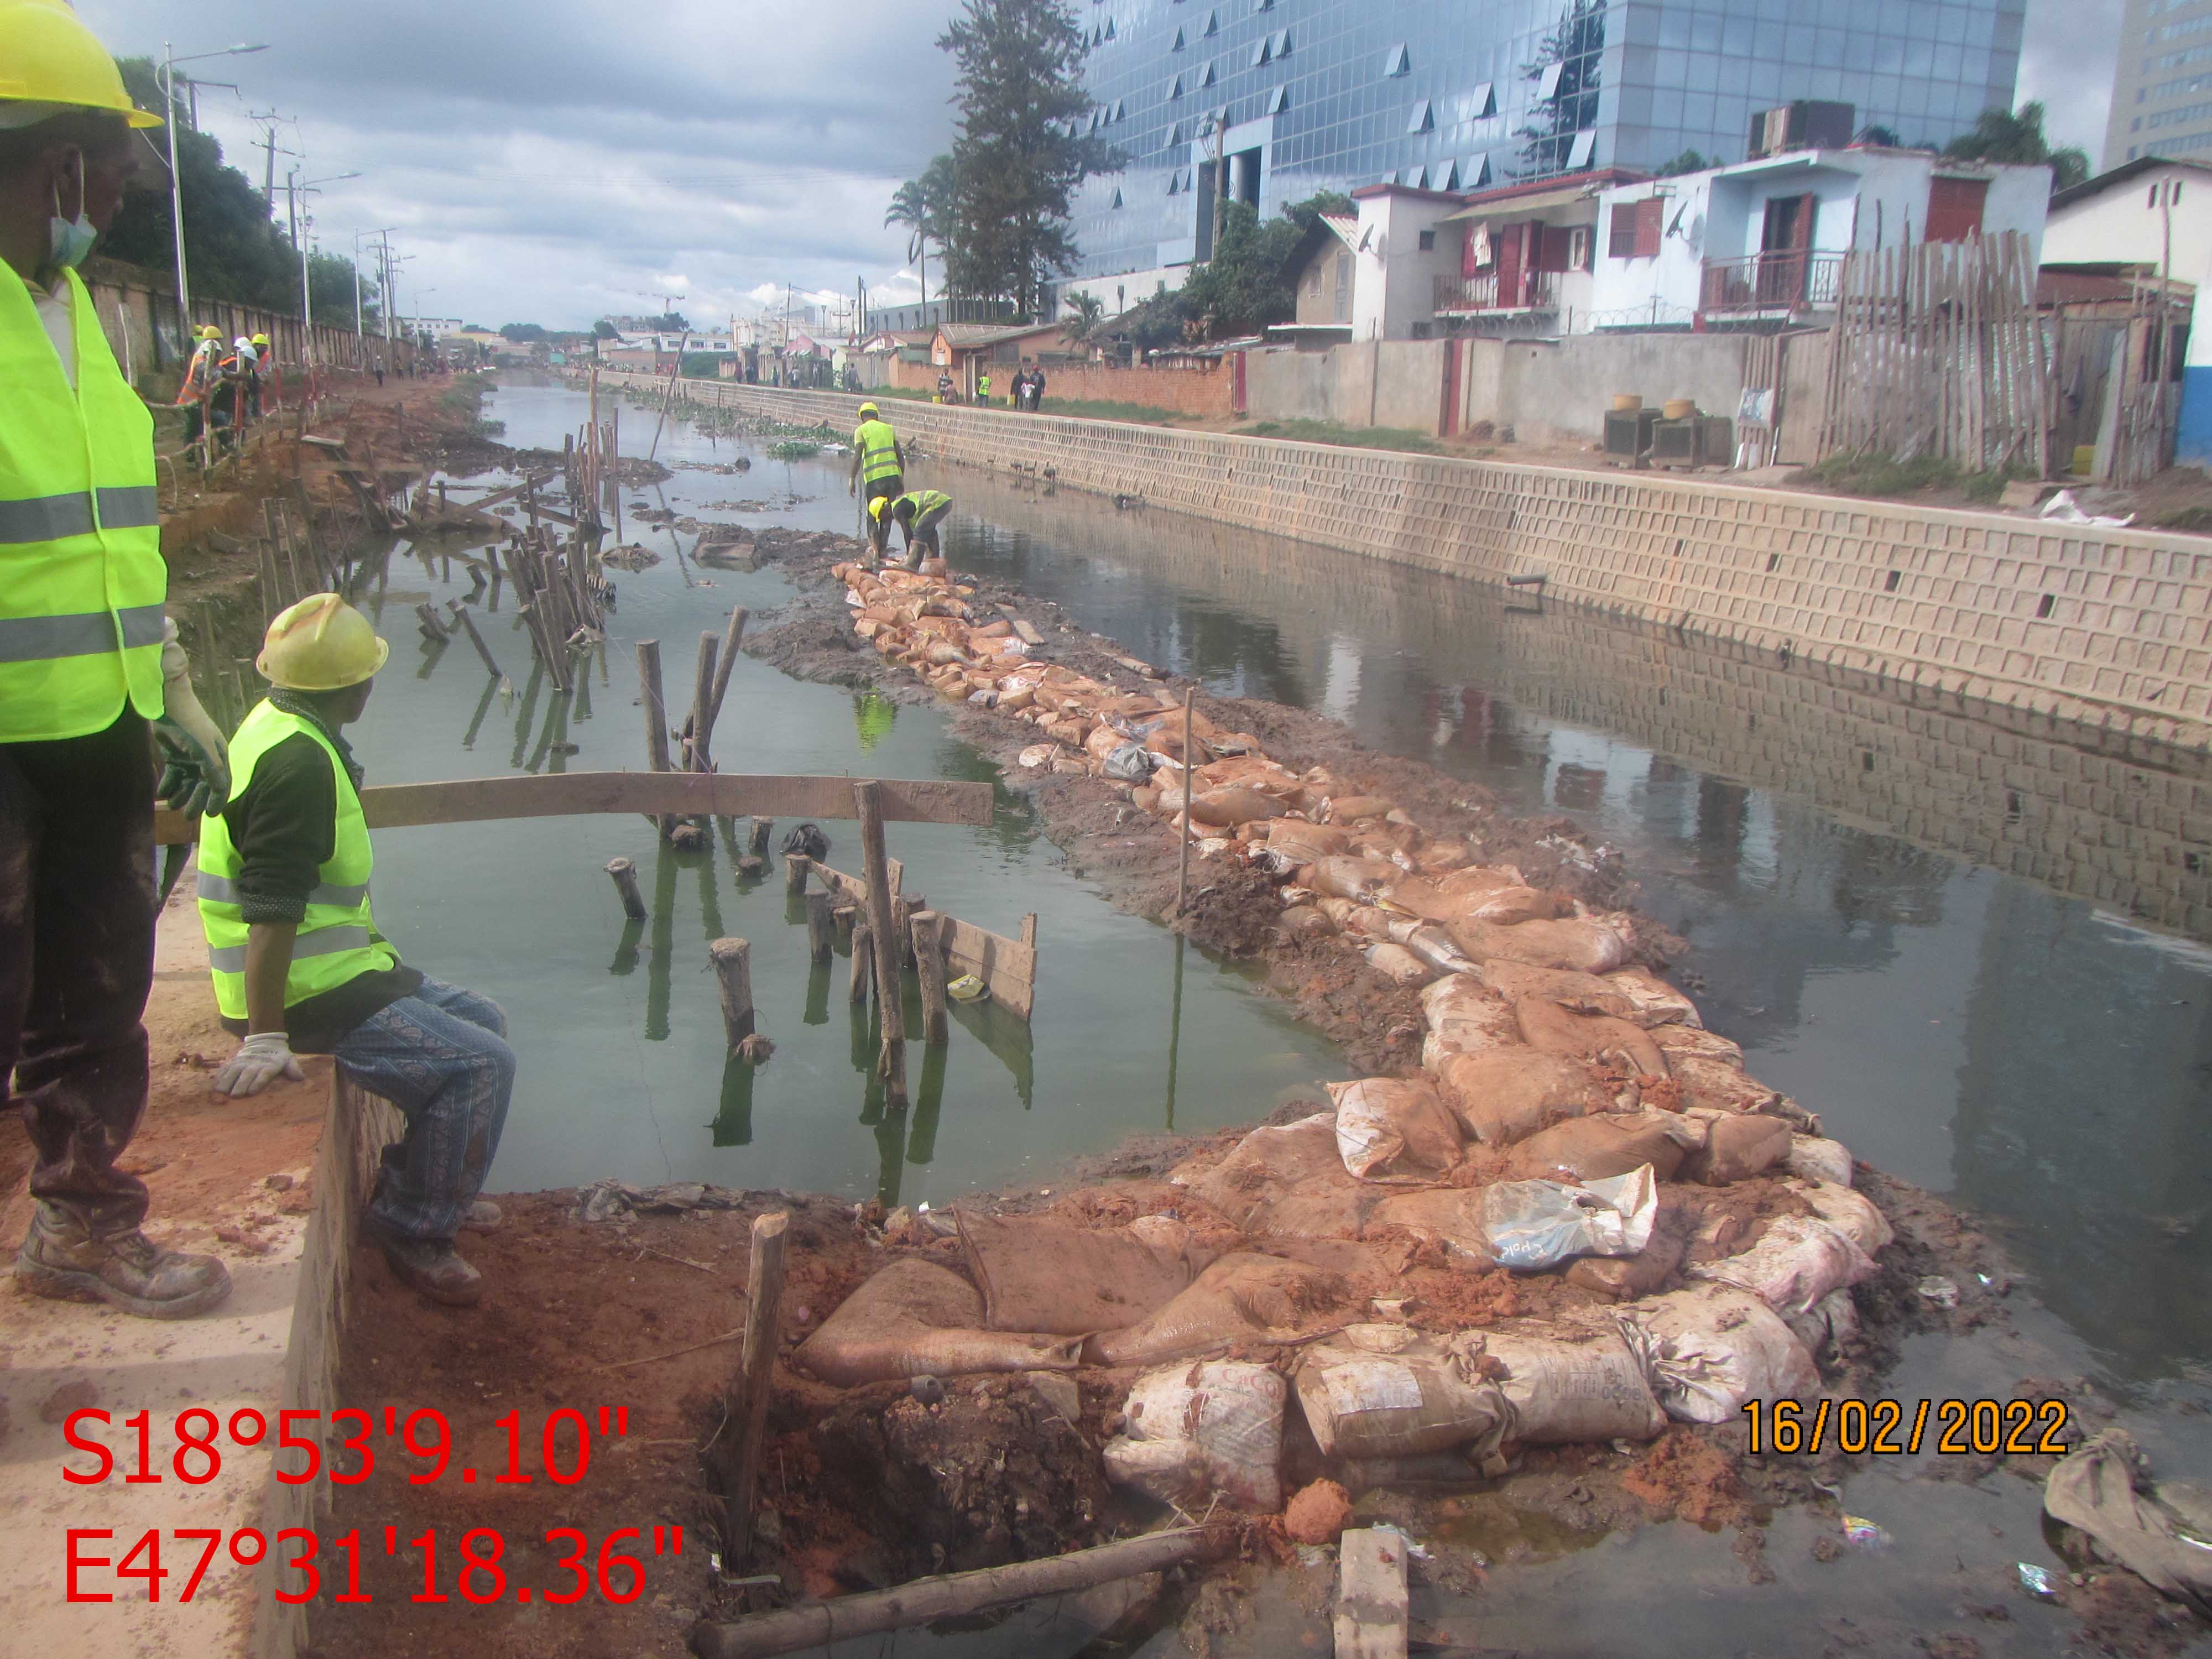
(918,514)
(261,369)
(299,966)
(880,464)
(88,669)
(983,387)
(199,378)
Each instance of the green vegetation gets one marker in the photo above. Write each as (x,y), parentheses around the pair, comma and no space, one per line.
(793,449)
(1245,287)
(1104,409)
(2001,136)
(1350,437)
(1884,476)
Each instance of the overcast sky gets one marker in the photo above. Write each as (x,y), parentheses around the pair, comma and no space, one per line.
(554,160)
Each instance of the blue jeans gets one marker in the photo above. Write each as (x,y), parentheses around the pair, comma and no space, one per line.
(440,1056)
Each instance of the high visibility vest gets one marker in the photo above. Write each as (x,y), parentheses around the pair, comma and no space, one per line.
(81,576)
(878,448)
(924,501)
(337,940)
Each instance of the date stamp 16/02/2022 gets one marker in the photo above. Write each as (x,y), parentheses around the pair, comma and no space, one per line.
(1896,1428)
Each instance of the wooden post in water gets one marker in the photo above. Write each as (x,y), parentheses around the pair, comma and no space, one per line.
(748,1410)
(863,960)
(891,1061)
(432,629)
(469,627)
(794,873)
(656,715)
(821,926)
(757,838)
(929,968)
(625,879)
(1182,870)
(733,978)
(703,693)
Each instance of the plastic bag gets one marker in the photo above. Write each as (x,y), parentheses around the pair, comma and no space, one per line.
(1506,1095)
(1129,763)
(1243,1297)
(1394,1129)
(1571,1384)
(1796,1261)
(1711,1348)
(1386,1391)
(1610,1144)
(1040,1275)
(1288,1181)
(913,1319)
(1531,1225)
(1196,1431)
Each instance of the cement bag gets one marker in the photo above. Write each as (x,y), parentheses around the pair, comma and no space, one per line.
(1827,1326)
(1447,898)
(1038,1275)
(1385,1391)
(1223,808)
(1583,993)
(917,1319)
(1716,1085)
(1243,1297)
(1347,809)
(1510,906)
(1597,1037)
(1509,1094)
(1195,1432)
(1737,1147)
(1450,1216)
(1568,1384)
(1306,843)
(1288,1181)
(1626,1277)
(1593,1148)
(1531,1225)
(1657,1002)
(1398,965)
(1710,1349)
(1849,1213)
(1465,1018)
(1813,1158)
(1394,1129)
(1360,880)
(1581,942)
(1796,1261)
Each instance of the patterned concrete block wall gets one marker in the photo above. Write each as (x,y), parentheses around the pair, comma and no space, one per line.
(2108,625)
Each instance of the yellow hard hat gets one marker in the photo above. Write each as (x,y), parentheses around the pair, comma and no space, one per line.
(869,408)
(210,331)
(48,58)
(877,504)
(261,339)
(321,644)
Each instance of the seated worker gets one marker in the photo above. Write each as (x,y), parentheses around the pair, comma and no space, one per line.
(880,463)
(918,514)
(298,961)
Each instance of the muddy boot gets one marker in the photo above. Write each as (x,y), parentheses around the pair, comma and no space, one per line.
(63,1258)
(429,1265)
(482,1216)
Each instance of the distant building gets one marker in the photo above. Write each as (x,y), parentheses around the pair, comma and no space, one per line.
(2162,84)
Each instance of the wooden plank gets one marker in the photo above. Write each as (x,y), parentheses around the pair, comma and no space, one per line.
(1371,1602)
(685,795)
(851,889)
(1007,968)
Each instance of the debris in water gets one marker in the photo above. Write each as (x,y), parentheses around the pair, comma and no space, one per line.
(2038,1581)
(1940,1291)
(1862,1534)
(967,988)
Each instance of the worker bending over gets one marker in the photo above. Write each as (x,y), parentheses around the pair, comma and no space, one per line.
(880,464)
(87,686)
(918,513)
(299,966)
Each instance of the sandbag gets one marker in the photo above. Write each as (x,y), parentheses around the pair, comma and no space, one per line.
(1346,809)
(1447,896)
(1851,1213)
(1581,942)
(1626,1277)
(1431,945)
(1597,1037)
(1450,1216)
(1531,1225)
(1678,1040)
(1233,806)
(1344,877)
(1736,1148)
(1709,1349)
(1798,1261)
(1306,843)
(1398,965)
(1243,1297)
(1826,1327)
(1308,921)
(1507,906)
(1506,1095)
(1288,1181)
(1567,1384)
(1584,994)
(1716,1085)
(1657,1002)
(1592,1148)
(1465,1018)
(1195,1432)
(1387,1391)
(2156,1530)
(1817,1159)
(1394,1129)
(1041,1275)
(915,1318)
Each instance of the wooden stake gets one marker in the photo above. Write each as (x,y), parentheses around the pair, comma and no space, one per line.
(732,635)
(432,628)
(892,1060)
(469,627)
(863,964)
(1189,768)
(625,879)
(734,977)
(821,926)
(748,1406)
(757,838)
(656,715)
(794,873)
(929,968)
(703,692)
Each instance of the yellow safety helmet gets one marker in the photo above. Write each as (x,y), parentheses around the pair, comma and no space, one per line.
(50,60)
(321,644)
(877,504)
(261,339)
(869,408)
(210,331)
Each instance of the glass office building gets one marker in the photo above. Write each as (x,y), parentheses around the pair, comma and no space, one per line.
(1287,97)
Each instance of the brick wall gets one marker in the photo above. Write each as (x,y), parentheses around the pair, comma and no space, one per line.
(1199,391)
(2105,625)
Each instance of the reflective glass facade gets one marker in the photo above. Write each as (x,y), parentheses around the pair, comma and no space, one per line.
(1454,95)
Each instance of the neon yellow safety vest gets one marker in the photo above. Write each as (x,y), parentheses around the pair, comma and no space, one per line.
(82,577)
(337,940)
(878,447)
(925,500)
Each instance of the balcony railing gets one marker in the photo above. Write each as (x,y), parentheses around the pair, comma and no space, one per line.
(1788,280)
(1532,290)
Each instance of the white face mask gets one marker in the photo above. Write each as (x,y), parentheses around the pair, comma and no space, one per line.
(69,240)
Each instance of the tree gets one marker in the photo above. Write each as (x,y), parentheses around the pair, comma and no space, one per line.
(1021,150)
(926,206)
(1304,214)
(1087,310)
(604,330)
(1879,136)
(522,333)
(1689,161)
(669,322)
(1248,286)
(1567,74)
(2003,137)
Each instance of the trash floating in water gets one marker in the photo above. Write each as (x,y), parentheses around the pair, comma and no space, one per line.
(967,988)
(1940,1291)
(2040,1582)
(1862,1534)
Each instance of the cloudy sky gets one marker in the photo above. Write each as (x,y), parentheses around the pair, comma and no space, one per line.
(554,160)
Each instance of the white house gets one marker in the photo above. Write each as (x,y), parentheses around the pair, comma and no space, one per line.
(1764,241)
(1525,256)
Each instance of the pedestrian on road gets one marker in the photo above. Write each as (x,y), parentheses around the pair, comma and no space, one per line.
(944,386)
(983,388)
(91,681)
(300,968)
(1037,388)
(880,464)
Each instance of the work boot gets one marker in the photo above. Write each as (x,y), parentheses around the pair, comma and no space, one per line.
(482,1216)
(63,1258)
(429,1265)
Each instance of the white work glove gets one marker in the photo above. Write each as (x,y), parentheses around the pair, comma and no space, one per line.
(260,1060)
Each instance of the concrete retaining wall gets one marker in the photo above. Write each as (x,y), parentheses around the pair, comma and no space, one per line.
(1559,391)
(2106,625)
(1396,382)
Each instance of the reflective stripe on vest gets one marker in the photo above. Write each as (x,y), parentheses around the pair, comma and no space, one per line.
(337,940)
(81,576)
(878,447)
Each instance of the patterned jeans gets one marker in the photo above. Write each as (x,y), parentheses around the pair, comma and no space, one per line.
(440,1056)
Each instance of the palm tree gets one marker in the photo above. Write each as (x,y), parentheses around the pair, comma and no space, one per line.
(2003,137)
(924,206)
(1087,310)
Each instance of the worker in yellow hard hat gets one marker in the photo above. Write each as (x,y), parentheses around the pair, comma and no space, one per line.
(878,463)
(91,683)
(300,965)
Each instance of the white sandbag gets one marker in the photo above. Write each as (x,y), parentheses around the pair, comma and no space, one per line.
(1532,1225)
(1849,1212)
(1394,1129)
(1831,1322)
(1817,1159)
(1569,1383)
(1796,1261)
(1195,1431)
(1465,1017)
(1584,943)
(1711,1348)
(1657,1002)
(1386,1391)
(1400,965)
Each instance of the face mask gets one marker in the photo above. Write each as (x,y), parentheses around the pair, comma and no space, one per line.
(69,241)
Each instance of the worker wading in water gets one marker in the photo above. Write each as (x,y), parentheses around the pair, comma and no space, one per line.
(918,513)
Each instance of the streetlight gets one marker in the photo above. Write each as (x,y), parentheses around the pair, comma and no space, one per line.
(357,236)
(169,62)
(295,186)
